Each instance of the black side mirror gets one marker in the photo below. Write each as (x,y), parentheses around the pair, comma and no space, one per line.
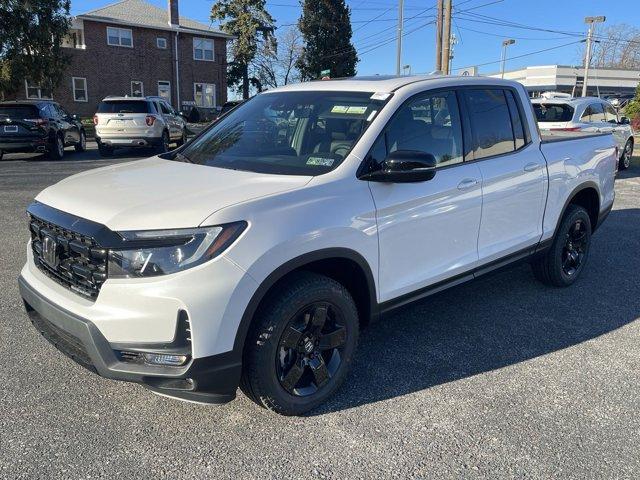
(624,121)
(404,166)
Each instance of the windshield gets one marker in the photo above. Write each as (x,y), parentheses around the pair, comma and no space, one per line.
(124,106)
(288,133)
(553,112)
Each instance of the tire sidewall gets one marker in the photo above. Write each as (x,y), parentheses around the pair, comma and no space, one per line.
(270,333)
(574,213)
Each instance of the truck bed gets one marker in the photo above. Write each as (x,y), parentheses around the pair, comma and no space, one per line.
(547,136)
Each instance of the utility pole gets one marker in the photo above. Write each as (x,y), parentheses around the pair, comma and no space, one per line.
(400,22)
(439,36)
(446,37)
(503,58)
(587,59)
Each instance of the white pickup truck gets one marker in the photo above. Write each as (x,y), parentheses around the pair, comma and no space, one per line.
(253,254)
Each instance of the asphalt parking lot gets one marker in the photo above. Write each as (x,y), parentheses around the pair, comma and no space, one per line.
(500,377)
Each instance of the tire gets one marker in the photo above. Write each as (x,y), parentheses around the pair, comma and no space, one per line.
(163,147)
(56,152)
(625,158)
(182,140)
(105,151)
(81,146)
(309,324)
(562,264)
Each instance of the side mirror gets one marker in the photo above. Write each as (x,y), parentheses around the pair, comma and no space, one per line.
(404,166)
(624,121)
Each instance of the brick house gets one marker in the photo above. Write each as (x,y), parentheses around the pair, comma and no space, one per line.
(135,48)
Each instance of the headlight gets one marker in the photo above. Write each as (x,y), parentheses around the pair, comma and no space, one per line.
(160,252)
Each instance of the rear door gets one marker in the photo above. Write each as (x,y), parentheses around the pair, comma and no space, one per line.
(175,130)
(427,231)
(20,121)
(513,172)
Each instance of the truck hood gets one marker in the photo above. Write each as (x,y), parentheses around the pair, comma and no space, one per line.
(155,193)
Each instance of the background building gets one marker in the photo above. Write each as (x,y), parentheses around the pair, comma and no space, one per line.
(135,48)
(567,79)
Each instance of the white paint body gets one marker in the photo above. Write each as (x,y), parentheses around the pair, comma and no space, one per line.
(412,235)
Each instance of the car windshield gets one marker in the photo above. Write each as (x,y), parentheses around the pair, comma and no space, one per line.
(19,111)
(288,133)
(123,106)
(553,112)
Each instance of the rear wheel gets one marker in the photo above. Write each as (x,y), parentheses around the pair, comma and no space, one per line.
(301,345)
(81,146)
(164,143)
(105,151)
(627,153)
(564,261)
(56,151)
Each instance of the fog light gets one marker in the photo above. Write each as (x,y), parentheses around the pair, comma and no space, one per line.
(165,359)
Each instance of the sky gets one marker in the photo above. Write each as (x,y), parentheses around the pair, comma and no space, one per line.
(552,28)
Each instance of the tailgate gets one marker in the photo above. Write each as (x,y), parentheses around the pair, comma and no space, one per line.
(122,123)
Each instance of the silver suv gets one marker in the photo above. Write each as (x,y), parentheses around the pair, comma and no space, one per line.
(137,122)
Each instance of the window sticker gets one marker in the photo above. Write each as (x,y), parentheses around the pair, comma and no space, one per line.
(320,161)
(356,110)
(380,96)
(372,115)
(340,109)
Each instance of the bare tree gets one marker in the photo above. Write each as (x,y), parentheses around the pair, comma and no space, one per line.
(275,63)
(618,46)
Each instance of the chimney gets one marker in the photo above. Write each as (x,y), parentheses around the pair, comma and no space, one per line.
(174,16)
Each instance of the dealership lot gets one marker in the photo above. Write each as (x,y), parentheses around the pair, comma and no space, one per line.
(500,377)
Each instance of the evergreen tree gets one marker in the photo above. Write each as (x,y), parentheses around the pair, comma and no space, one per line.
(245,19)
(31,34)
(326,32)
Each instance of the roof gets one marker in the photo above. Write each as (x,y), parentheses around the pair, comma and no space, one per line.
(385,83)
(143,14)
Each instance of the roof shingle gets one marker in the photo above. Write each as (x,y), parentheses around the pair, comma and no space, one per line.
(144,14)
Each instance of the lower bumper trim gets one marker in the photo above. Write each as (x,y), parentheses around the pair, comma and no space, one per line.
(216,376)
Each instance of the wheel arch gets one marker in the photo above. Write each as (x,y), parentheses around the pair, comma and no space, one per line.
(586,195)
(342,264)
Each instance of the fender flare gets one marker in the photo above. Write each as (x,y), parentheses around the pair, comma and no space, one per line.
(571,196)
(290,266)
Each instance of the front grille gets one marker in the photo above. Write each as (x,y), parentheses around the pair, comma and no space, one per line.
(63,341)
(71,259)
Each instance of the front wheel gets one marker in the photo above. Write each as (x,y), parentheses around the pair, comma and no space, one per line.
(81,146)
(163,146)
(301,345)
(562,264)
(627,153)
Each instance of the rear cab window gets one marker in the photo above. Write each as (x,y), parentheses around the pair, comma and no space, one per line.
(124,106)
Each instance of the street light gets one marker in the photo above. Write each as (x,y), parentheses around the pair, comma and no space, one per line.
(587,59)
(406,68)
(505,44)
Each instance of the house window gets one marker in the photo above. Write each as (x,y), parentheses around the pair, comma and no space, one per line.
(79,89)
(203,49)
(120,37)
(161,42)
(35,91)
(164,90)
(204,94)
(137,88)
(74,39)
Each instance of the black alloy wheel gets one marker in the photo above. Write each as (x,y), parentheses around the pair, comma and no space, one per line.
(310,349)
(575,248)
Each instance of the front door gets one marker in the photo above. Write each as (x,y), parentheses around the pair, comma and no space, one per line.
(513,173)
(428,230)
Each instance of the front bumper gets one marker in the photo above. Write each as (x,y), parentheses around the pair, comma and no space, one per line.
(212,379)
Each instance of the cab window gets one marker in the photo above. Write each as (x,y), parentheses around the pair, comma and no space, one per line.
(612,116)
(429,124)
(597,113)
(491,126)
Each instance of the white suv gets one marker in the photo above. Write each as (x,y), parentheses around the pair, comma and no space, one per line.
(138,122)
(254,254)
(585,114)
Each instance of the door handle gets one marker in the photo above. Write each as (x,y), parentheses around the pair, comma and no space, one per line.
(467,183)
(531,167)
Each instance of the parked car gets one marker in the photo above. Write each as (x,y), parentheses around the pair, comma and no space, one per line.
(254,254)
(586,114)
(39,126)
(138,122)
